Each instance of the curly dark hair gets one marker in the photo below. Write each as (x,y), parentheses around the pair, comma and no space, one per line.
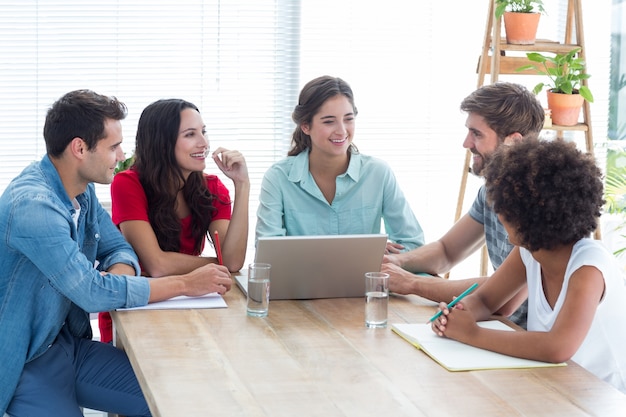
(161,177)
(549,191)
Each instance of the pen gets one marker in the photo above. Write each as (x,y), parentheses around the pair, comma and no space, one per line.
(453,302)
(218,249)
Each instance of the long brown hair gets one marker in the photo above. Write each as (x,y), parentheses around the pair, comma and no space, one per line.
(162,178)
(313,95)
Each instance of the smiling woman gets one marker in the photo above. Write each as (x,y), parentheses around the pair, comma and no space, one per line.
(325,186)
(167,207)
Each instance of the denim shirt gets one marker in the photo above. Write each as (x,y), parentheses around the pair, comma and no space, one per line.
(47,274)
(291,203)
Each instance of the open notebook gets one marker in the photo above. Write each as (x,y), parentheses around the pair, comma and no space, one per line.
(457,356)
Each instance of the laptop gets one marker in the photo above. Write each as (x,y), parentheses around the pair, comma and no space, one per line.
(308,267)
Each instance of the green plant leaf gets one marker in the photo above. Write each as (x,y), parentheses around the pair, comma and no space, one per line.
(615,182)
(536,57)
(538,88)
(519,6)
(586,93)
(564,71)
(124,165)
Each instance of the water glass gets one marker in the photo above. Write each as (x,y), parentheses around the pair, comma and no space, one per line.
(376,299)
(258,302)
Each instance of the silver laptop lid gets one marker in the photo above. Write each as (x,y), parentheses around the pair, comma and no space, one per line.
(328,266)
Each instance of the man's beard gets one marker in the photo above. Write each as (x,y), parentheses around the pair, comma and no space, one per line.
(478,167)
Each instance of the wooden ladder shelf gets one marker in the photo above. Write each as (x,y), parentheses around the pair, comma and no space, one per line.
(494,61)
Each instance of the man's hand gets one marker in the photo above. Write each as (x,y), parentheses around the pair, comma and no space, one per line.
(400,280)
(206,279)
(203,280)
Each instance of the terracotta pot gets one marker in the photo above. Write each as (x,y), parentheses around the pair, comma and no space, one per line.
(521,28)
(565,108)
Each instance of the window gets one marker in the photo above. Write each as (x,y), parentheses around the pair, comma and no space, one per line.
(237,60)
(243,62)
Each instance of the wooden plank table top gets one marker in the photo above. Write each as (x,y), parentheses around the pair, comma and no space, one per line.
(317,358)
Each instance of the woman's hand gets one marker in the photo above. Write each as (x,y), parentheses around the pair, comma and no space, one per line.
(393,247)
(232,164)
(455,323)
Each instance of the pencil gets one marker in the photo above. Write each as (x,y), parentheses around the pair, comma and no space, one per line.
(453,302)
(218,249)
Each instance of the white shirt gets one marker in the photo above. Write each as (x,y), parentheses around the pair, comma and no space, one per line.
(602,351)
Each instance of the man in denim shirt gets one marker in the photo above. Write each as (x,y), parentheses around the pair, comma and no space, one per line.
(60,258)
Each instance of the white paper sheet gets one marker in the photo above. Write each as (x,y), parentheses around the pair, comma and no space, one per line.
(212,300)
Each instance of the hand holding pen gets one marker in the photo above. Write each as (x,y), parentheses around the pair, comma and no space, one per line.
(454,302)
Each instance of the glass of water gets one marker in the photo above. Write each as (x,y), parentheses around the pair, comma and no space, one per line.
(258,289)
(376,299)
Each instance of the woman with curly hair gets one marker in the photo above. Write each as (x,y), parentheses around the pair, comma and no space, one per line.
(548,196)
(166,206)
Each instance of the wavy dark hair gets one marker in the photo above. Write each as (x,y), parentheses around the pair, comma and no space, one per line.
(549,191)
(162,178)
(312,96)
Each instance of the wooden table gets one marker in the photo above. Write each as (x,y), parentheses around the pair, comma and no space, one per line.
(316,358)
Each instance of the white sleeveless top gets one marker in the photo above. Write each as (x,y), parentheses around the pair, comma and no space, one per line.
(602,351)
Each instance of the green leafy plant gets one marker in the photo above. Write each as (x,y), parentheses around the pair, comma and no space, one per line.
(565,71)
(615,189)
(124,165)
(518,6)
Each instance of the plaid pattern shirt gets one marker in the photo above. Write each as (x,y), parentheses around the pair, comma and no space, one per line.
(497,241)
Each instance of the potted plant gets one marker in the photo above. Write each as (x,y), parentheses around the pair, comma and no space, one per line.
(566,91)
(521,19)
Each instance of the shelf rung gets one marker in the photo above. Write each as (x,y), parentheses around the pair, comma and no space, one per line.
(540,46)
(509,65)
(580,127)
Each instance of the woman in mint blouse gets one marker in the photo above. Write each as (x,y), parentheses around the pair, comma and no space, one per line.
(325,186)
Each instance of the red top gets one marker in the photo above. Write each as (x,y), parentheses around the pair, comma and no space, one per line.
(129,202)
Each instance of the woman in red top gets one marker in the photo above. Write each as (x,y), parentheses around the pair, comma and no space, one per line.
(166,206)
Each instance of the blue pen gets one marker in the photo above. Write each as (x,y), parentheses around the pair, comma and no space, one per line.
(456,300)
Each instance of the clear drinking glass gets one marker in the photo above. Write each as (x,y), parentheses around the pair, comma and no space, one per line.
(258,289)
(376,299)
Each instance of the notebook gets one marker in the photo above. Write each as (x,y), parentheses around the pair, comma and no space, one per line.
(457,356)
(308,267)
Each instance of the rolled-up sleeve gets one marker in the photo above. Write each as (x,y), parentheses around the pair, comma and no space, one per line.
(400,222)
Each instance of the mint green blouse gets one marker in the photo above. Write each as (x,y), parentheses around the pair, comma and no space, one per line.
(367,194)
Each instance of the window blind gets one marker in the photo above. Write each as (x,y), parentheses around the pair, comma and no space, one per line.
(243,62)
(237,60)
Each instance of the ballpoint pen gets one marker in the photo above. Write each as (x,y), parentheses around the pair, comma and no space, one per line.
(453,302)
(218,248)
